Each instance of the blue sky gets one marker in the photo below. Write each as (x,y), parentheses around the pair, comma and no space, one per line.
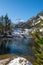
(22,9)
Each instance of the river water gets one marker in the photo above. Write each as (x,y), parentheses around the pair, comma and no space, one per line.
(16,46)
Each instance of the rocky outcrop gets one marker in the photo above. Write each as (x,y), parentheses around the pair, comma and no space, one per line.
(19,61)
(15,61)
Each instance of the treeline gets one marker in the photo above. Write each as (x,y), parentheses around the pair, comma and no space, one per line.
(6,26)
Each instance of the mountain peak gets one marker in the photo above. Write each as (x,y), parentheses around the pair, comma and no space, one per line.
(18,21)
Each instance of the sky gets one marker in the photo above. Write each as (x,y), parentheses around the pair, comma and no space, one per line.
(20,9)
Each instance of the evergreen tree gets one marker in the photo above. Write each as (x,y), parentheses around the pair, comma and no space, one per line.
(38,49)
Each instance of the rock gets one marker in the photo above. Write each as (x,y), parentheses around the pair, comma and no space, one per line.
(19,61)
(4,61)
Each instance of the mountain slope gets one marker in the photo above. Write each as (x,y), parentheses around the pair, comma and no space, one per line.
(32,22)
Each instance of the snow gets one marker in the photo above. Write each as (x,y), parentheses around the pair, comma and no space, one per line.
(41,17)
(19,61)
(41,30)
(19,31)
(18,21)
(37,22)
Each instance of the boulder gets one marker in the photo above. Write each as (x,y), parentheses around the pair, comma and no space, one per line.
(19,61)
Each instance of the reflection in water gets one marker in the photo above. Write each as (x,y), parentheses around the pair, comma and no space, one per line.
(16,46)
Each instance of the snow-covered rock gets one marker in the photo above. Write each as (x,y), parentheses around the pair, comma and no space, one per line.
(37,22)
(41,30)
(41,17)
(19,61)
(18,21)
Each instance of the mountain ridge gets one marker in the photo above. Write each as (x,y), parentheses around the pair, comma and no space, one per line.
(30,22)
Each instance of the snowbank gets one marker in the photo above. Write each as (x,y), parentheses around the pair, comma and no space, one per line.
(19,61)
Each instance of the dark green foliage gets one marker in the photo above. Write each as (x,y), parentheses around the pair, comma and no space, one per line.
(5,25)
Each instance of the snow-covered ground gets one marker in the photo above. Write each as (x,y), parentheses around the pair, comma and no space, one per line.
(19,33)
(15,61)
(19,61)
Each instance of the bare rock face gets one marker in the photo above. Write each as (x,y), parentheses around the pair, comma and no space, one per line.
(19,61)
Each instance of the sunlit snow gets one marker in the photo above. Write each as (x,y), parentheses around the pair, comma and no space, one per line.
(19,61)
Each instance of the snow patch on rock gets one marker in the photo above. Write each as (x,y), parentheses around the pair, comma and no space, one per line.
(19,61)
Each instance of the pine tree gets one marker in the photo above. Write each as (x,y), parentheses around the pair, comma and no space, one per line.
(38,49)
